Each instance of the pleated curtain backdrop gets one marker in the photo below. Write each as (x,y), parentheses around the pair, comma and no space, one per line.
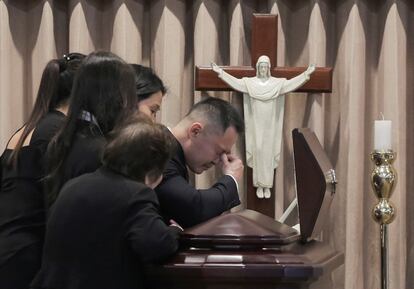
(367,43)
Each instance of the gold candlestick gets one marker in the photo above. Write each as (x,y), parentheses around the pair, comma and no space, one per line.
(383,179)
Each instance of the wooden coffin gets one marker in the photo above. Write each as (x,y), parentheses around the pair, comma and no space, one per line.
(247,249)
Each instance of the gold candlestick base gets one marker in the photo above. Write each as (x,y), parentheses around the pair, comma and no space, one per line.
(383,212)
(383,179)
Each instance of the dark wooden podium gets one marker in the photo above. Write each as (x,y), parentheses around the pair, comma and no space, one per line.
(247,249)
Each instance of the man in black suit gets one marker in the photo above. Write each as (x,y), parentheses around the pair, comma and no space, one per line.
(205,137)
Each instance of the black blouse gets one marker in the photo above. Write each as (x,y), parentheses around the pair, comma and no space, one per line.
(22,213)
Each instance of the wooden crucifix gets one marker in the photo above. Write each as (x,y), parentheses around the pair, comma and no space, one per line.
(264,42)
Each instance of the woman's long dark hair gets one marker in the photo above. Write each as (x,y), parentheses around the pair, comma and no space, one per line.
(104,87)
(147,82)
(54,90)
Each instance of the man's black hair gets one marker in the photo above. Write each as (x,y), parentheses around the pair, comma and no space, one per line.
(218,112)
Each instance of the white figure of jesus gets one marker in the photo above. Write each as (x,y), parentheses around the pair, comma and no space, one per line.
(264,102)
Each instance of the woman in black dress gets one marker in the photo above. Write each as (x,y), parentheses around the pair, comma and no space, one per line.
(105,225)
(103,94)
(22,208)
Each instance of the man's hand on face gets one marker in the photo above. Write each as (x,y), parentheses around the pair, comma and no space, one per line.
(232,165)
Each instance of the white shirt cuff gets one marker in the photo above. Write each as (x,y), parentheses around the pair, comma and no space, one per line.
(234,179)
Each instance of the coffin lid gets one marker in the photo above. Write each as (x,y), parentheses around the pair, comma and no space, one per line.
(315,182)
(315,185)
(242,229)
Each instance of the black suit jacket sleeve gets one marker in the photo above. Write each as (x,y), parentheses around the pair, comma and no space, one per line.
(149,237)
(188,206)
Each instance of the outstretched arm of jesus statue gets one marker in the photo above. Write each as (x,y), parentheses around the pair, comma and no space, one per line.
(296,82)
(235,83)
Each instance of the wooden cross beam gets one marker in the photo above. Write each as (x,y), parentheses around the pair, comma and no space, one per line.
(264,42)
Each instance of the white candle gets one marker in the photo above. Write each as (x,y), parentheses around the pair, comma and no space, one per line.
(382,135)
